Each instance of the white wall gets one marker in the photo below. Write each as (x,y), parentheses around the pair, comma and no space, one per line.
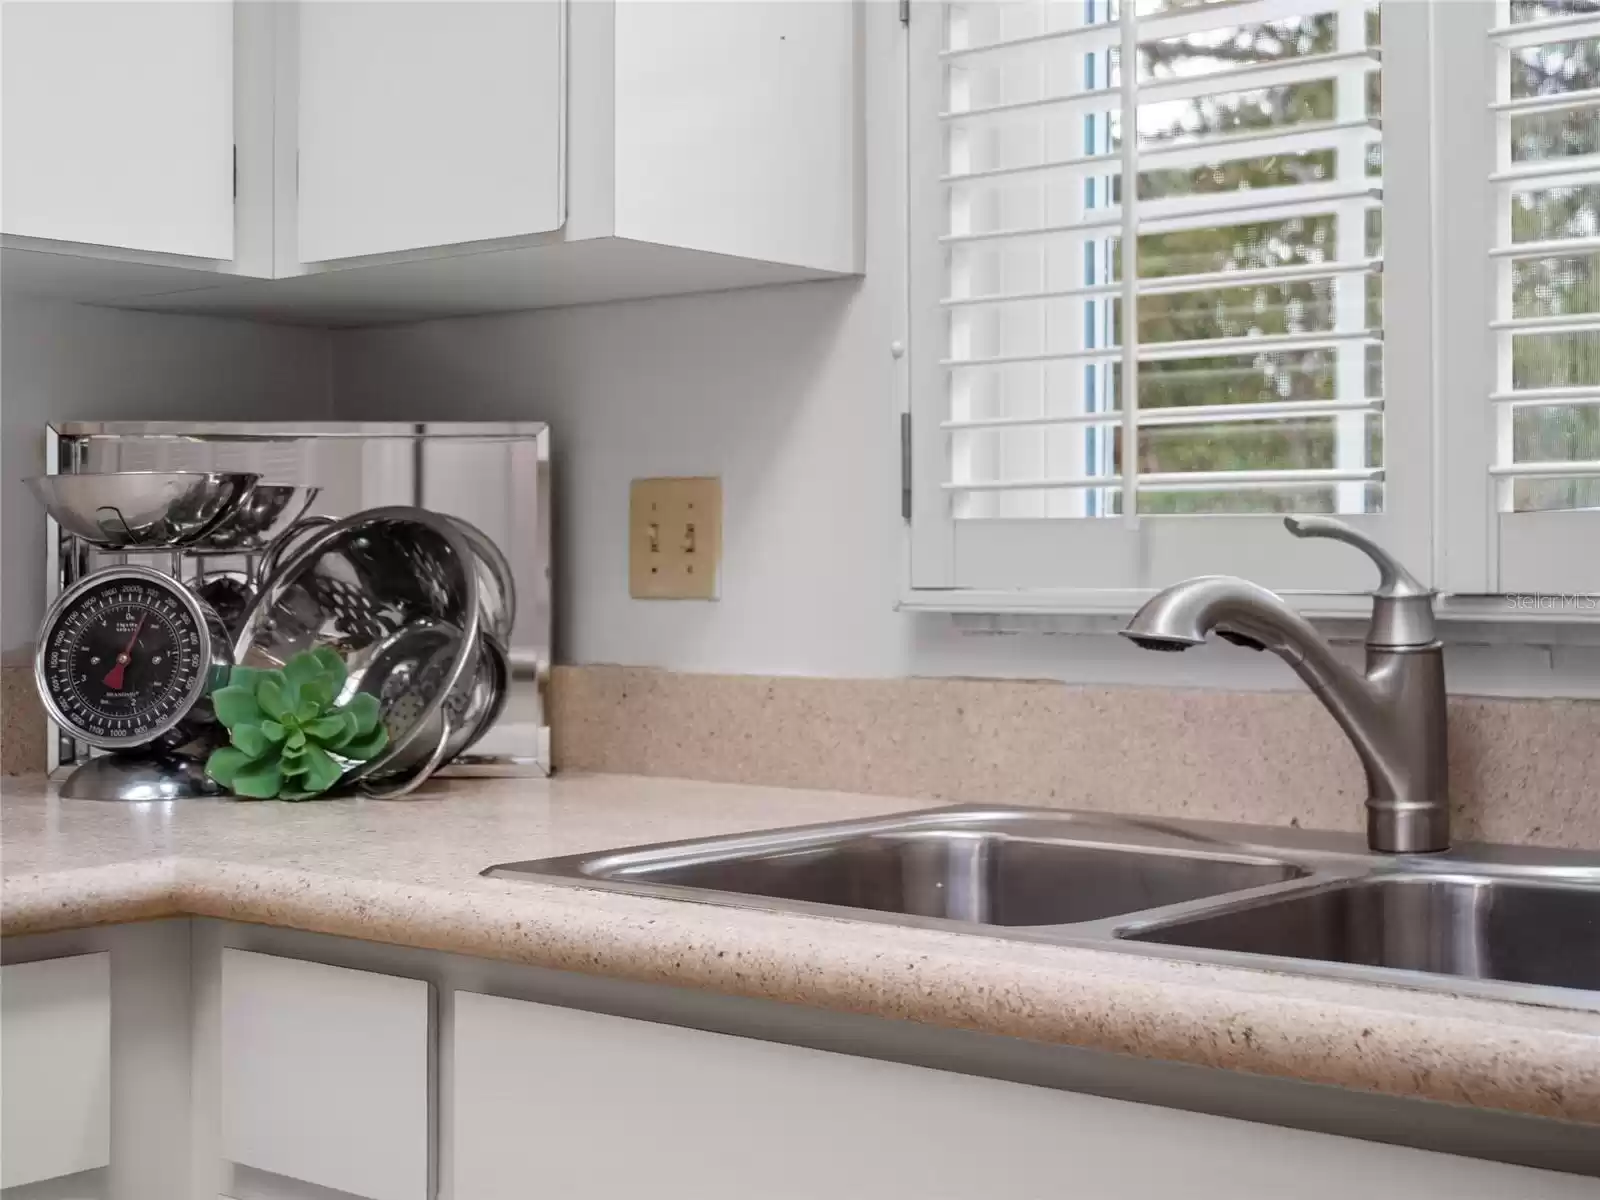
(69,361)
(787,394)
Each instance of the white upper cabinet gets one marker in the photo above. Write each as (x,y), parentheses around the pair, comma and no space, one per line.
(742,109)
(428,124)
(118,124)
(404,159)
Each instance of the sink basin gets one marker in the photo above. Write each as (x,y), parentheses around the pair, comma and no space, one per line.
(1517,923)
(965,875)
(1468,926)
(1000,868)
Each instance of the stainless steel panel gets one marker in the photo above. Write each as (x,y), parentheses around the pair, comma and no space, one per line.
(494,474)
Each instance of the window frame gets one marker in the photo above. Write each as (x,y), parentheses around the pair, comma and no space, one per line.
(1107,565)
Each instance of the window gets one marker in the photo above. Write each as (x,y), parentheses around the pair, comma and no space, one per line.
(1114,387)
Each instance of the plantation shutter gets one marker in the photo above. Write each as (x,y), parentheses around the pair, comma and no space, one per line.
(1544,398)
(1116,387)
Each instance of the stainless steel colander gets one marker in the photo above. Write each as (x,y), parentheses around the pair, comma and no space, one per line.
(395,591)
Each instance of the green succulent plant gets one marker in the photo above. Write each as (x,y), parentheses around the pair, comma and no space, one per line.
(287,735)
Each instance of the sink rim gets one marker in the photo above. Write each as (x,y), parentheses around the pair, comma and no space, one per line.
(606,864)
(620,868)
(1327,860)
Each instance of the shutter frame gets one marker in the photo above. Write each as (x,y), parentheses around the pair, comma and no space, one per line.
(1081,563)
(1483,548)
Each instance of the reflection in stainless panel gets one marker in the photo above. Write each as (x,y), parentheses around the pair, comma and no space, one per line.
(495,475)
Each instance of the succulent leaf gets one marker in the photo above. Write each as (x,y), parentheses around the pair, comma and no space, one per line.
(364,705)
(250,739)
(274,697)
(275,732)
(225,764)
(325,729)
(246,678)
(366,746)
(352,727)
(323,772)
(235,704)
(318,693)
(302,668)
(260,779)
(332,667)
(262,675)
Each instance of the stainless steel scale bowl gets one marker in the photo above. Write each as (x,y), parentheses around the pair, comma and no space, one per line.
(128,655)
(142,510)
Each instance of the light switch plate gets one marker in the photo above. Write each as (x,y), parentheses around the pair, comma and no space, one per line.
(675,539)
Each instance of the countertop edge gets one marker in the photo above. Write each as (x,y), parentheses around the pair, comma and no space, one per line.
(1482,1054)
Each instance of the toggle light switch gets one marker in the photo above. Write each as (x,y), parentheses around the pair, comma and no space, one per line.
(675,539)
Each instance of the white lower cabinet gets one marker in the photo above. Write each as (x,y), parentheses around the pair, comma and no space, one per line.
(181,1067)
(55,1068)
(555,1102)
(326,1075)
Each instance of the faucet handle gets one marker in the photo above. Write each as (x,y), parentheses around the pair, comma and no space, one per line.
(1394,581)
(1402,609)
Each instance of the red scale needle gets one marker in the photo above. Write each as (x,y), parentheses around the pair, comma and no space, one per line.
(114,676)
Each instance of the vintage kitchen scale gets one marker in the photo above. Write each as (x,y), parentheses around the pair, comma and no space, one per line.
(165,576)
(128,655)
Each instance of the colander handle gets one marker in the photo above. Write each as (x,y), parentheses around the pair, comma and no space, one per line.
(435,761)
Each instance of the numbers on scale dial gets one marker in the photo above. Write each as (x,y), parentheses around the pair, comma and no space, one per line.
(122,661)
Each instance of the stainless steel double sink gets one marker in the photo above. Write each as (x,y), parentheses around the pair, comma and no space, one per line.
(1501,921)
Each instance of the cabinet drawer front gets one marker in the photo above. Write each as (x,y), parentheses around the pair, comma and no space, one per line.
(554,1102)
(326,1075)
(55,1047)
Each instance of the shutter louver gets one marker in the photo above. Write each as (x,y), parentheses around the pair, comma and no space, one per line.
(1254,381)
(1547,215)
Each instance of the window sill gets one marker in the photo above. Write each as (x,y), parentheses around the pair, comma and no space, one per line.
(1463,620)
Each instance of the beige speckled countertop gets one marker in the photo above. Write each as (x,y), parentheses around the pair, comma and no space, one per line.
(407,873)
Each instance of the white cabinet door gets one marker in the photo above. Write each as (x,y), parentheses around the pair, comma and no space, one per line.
(428,123)
(117,125)
(326,1075)
(55,1068)
(553,1102)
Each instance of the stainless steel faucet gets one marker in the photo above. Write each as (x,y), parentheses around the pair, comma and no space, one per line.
(1394,714)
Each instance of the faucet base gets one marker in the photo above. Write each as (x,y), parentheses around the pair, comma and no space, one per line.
(1408,830)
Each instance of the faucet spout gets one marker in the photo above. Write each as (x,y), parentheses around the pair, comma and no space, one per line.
(1184,614)
(1393,714)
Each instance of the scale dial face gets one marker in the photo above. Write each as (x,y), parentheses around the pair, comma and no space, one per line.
(124,656)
